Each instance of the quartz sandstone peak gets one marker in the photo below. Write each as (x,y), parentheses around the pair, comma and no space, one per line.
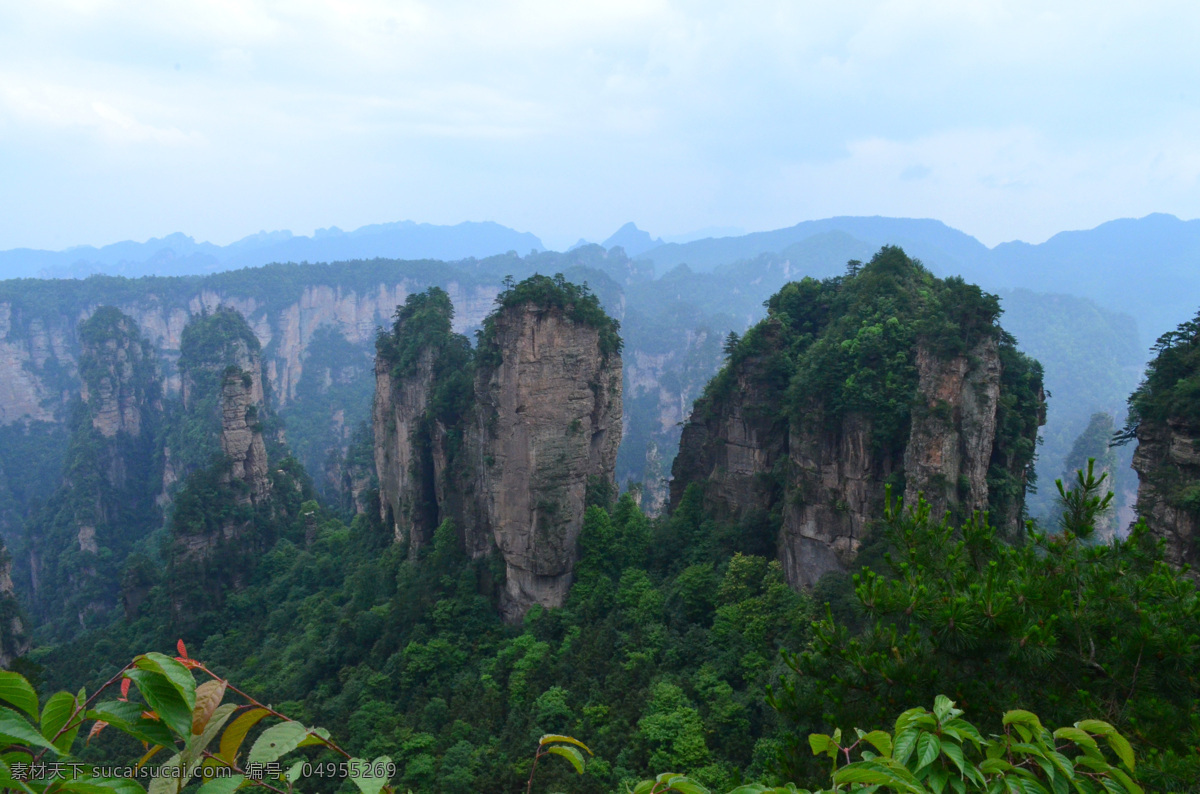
(804,430)
(548,425)
(510,454)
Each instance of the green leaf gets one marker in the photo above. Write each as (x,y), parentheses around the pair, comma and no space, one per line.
(179,676)
(198,744)
(687,786)
(1098,727)
(369,778)
(942,706)
(1126,781)
(163,697)
(169,782)
(1021,717)
(16,690)
(15,729)
(555,737)
(903,745)
(127,718)
(819,742)
(1121,747)
(1079,737)
(955,754)
(277,741)
(928,749)
(880,740)
(55,713)
(937,780)
(293,774)
(569,753)
(222,785)
(235,734)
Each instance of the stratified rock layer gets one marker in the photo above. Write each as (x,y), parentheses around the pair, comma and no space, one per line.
(511,467)
(766,445)
(548,422)
(1167,461)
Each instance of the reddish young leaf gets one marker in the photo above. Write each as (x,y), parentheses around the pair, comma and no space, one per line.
(95,731)
(182,650)
(125,688)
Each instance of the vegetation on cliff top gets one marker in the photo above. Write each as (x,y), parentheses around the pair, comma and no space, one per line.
(1171,389)
(575,301)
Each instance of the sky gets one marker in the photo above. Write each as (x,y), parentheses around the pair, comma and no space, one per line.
(221,118)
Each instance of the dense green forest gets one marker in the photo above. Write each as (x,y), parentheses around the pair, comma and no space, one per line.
(681,647)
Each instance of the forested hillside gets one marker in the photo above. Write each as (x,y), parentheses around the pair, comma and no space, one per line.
(665,654)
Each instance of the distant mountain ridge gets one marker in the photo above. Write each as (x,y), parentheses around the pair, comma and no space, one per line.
(180,255)
(1147,267)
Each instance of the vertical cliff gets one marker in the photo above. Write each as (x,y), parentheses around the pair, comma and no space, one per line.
(423,390)
(14,640)
(548,425)
(106,503)
(226,447)
(1164,416)
(505,442)
(884,377)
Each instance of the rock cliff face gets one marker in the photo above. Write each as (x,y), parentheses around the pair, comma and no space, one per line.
(1167,461)
(241,434)
(223,393)
(510,454)
(13,639)
(105,503)
(548,423)
(801,428)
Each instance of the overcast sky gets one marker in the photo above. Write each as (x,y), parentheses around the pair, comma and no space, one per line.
(1008,120)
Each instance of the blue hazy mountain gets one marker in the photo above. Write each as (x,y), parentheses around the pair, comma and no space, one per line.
(178,254)
(632,239)
(1147,267)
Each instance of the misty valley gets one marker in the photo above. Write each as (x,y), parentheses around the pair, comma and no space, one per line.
(859,505)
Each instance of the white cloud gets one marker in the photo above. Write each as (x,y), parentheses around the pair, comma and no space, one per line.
(1007,118)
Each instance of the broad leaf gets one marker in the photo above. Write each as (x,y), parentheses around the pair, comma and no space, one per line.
(903,745)
(569,753)
(222,785)
(198,744)
(208,697)
(15,729)
(928,749)
(55,713)
(16,690)
(179,676)
(555,737)
(235,734)
(1121,747)
(277,741)
(372,777)
(163,697)
(880,740)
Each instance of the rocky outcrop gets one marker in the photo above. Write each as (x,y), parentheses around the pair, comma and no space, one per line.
(1167,461)
(510,454)
(548,423)
(241,434)
(104,504)
(804,431)
(14,641)
(403,453)
(949,447)
(119,369)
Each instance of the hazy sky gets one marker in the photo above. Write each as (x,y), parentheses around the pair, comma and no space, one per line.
(1005,119)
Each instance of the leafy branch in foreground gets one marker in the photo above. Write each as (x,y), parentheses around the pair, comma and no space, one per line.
(930,752)
(177,715)
(927,753)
